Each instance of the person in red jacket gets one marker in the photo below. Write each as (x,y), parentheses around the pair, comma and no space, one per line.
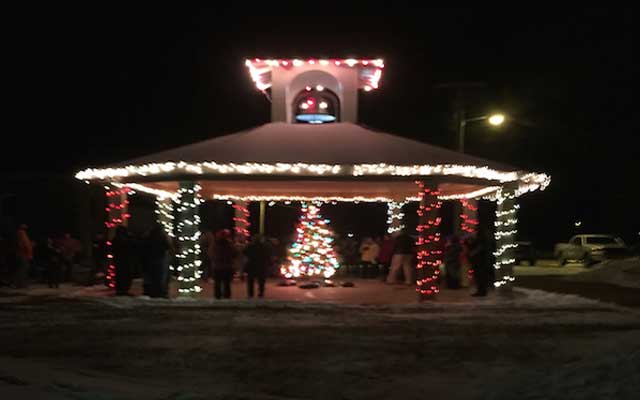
(24,255)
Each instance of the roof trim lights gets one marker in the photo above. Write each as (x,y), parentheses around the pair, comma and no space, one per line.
(315,118)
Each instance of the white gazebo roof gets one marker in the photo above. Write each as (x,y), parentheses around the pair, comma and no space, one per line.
(295,157)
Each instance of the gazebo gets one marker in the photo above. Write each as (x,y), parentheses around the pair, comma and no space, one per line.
(314,151)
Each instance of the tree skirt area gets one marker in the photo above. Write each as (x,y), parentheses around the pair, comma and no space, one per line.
(535,345)
(624,272)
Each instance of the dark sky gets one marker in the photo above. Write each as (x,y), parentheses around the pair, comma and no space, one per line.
(98,85)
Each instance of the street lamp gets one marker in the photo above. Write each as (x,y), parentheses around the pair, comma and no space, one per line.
(493,119)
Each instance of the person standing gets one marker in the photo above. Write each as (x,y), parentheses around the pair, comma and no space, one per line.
(402,258)
(223,265)
(24,255)
(452,262)
(158,246)
(480,257)
(122,249)
(53,259)
(258,254)
(369,251)
(386,252)
(99,254)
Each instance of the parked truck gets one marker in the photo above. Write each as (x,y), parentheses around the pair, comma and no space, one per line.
(590,249)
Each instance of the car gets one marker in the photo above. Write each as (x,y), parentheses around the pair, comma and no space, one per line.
(590,249)
(526,252)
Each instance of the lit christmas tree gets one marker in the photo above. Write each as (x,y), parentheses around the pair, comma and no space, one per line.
(312,253)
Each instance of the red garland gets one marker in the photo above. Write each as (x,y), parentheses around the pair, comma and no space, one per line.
(112,223)
(467,224)
(242,223)
(429,257)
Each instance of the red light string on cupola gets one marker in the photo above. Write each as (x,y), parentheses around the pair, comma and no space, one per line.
(429,256)
(117,215)
(468,223)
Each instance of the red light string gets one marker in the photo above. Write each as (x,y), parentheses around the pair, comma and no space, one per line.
(117,215)
(429,256)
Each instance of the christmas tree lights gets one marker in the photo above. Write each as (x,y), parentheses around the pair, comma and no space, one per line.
(429,256)
(312,253)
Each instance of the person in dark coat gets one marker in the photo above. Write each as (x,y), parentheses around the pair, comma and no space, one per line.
(157,261)
(53,260)
(452,262)
(223,265)
(480,257)
(122,250)
(259,255)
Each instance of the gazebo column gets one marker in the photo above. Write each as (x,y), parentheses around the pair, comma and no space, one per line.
(188,233)
(395,216)
(505,235)
(429,257)
(117,214)
(164,210)
(468,216)
(241,218)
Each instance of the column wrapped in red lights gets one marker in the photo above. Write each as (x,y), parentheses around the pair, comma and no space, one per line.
(188,235)
(469,216)
(429,255)
(505,235)
(241,218)
(117,214)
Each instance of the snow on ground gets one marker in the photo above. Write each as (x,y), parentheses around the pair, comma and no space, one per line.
(526,270)
(83,344)
(624,272)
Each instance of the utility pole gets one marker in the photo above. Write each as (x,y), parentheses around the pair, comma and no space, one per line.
(460,91)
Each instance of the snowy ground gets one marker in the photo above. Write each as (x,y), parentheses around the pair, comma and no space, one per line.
(624,272)
(536,345)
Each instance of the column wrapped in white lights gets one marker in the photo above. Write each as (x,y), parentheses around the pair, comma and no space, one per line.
(188,235)
(505,235)
(164,210)
(395,216)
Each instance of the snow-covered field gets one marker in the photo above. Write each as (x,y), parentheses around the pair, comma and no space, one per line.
(536,345)
(624,272)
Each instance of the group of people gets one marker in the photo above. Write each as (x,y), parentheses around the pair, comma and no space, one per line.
(468,257)
(153,250)
(54,260)
(225,256)
(463,259)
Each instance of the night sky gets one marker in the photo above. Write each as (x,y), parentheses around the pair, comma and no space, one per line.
(101,85)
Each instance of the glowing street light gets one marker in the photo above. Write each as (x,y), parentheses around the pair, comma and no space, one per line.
(493,119)
(496,119)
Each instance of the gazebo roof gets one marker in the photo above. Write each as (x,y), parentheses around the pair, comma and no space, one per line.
(292,159)
(339,143)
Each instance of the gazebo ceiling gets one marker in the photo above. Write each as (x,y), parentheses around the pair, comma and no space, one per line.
(319,190)
(325,159)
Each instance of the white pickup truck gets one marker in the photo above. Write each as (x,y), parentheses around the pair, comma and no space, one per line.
(590,249)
